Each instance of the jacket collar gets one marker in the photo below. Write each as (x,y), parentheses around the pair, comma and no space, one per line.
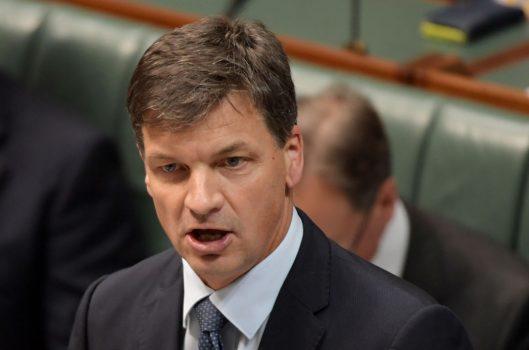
(293,323)
(162,312)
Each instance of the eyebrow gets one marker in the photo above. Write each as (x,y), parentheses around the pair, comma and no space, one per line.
(231,148)
(224,151)
(159,156)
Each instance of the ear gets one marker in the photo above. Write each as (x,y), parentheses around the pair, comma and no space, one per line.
(386,197)
(293,151)
(379,216)
(148,184)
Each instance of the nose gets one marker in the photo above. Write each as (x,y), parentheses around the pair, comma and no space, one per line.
(203,196)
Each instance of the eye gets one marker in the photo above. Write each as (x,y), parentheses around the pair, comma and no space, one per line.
(233,162)
(169,168)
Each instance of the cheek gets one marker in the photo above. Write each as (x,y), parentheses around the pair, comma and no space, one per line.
(264,187)
(257,202)
(255,205)
(167,203)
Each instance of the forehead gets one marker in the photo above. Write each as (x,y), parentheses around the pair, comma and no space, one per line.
(234,119)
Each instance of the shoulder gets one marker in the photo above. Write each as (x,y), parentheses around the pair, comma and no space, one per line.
(137,282)
(377,288)
(354,276)
(431,327)
(118,303)
(465,253)
(123,294)
(469,273)
(404,316)
(367,299)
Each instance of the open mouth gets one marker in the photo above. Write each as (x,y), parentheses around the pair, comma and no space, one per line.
(207,235)
(207,242)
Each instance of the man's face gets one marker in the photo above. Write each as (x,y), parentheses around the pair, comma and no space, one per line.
(221,188)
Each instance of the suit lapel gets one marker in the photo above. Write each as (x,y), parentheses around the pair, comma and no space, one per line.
(161,324)
(291,326)
(293,322)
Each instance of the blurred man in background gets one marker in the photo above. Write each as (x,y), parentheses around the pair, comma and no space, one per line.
(348,189)
(64,218)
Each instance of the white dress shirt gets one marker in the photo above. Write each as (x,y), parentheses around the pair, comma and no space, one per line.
(247,302)
(393,246)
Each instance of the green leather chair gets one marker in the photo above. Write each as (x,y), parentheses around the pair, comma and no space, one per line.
(473,170)
(19,25)
(408,116)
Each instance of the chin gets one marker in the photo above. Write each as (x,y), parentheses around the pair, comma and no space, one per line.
(214,270)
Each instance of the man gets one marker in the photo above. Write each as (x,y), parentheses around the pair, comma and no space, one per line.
(348,189)
(214,110)
(64,221)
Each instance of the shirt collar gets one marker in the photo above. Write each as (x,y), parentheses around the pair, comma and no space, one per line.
(393,246)
(248,301)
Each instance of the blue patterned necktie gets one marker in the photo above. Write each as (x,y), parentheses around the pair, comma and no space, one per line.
(211,322)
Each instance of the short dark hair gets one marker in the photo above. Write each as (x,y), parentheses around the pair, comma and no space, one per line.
(345,141)
(187,72)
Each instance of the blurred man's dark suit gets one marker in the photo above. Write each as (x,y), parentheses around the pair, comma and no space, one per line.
(63,219)
(331,299)
(486,287)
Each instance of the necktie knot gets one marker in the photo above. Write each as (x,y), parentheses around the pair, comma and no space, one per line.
(209,317)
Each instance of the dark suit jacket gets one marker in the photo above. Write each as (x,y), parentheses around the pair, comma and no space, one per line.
(330,299)
(485,286)
(63,219)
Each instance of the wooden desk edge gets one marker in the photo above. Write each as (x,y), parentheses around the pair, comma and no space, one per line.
(437,81)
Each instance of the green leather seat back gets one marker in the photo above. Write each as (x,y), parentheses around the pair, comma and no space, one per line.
(83,61)
(407,116)
(124,133)
(133,163)
(474,167)
(19,26)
